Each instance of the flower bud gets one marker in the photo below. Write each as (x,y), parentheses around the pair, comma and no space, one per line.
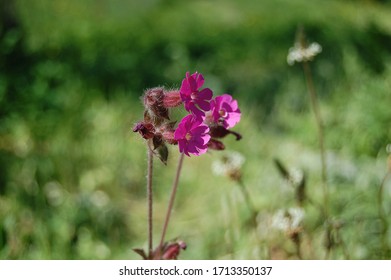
(167,131)
(172,250)
(216,145)
(168,136)
(146,130)
(172,99)
(153,102)
(169,251)
(220,132)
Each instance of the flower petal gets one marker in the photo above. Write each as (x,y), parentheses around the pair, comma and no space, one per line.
(199,79)
(204,105)
(205,94)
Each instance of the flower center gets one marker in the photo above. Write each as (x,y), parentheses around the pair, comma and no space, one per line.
(193,95)
(223,113)
(188,136)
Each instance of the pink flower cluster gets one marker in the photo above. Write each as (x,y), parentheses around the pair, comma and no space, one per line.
(208,118)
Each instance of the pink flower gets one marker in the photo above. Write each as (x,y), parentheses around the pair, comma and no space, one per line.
(192,136)
(196,101)
(225,110)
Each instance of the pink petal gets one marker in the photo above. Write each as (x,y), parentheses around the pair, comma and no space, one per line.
(206,138)
(185,89)
(202,150)
(199,79)
(204,105)
(226,98)
(197,112)
(182,145)
(192,82)
(227,107)
(205,94)
(200,130)
(234,105)
(191,148)
(232,119)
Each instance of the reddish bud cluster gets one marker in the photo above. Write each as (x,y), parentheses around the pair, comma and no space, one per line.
(169,251)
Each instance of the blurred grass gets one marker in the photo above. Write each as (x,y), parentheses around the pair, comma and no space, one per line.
(72,175)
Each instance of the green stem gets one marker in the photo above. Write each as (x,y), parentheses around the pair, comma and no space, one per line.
(320,126)
(247,198)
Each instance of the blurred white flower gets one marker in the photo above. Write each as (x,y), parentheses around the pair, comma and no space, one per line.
(227,165)
(298,53)
(288,219)
(296,176)
(264,221)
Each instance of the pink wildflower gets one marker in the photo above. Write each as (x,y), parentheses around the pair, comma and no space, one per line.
(225,111)
(192,136)
(196,101)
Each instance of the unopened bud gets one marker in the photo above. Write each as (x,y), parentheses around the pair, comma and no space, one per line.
(220,132)
(171,252)
(172,99)
(168,136)
(153,102)
(216,145)
(146,130)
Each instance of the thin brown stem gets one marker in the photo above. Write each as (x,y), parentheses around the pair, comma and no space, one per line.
(251,207)
(172,199)
(150,200)
(320,126)
(298,249)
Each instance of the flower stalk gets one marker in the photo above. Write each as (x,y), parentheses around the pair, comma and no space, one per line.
(303,53)
(320,127)
(247,198)
(172,199)
(150,200)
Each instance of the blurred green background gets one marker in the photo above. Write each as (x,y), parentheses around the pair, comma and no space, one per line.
(72,173)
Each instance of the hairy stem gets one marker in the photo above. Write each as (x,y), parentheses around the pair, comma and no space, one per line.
(172,199)
(150,200)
